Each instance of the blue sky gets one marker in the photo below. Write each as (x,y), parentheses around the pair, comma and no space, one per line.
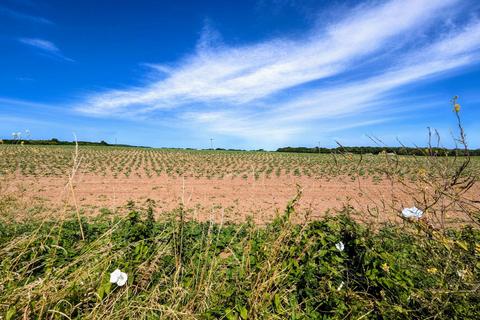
(249,74)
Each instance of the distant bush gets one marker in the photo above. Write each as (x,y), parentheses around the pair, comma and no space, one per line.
(55,141)
(378,150)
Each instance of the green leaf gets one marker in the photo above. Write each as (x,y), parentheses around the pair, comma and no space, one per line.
(104,289)
(108,287)
(321,253)
(11,312)
(230,314)
(278,304)
(243,312)
(101,292)
(463,245)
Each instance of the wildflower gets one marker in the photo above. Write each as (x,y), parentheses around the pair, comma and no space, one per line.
(432,270)
(118,277)
(412,213)
(385,267)
(340,246)
(456,107)
(340,286)
(462,273)
(422,172)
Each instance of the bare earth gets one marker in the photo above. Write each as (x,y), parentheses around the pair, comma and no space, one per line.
(227,199)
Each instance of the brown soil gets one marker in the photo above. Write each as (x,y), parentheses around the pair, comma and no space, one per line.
(227,199)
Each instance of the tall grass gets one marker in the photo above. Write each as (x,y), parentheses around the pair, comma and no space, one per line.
(182,270)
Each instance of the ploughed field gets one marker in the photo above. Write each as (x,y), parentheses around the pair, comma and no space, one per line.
(71,222)
(220,185)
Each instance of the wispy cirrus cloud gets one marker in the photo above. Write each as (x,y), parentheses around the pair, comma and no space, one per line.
(23,16)
(356,103)
(279,87)
(46,47)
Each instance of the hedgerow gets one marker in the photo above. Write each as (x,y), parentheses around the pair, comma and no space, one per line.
(179,269)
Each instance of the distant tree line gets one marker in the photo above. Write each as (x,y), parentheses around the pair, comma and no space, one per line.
(376,150)
(355,150)
(223,149)
(55,142)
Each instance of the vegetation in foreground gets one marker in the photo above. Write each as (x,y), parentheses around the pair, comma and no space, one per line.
(334,268)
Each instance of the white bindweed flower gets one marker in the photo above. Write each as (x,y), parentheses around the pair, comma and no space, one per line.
(340,286)
(412,213)
(340,246)
(118,277)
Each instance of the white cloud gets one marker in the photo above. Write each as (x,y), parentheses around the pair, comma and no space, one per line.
(23,16)
(276,88)
(41,44)
(45,46)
